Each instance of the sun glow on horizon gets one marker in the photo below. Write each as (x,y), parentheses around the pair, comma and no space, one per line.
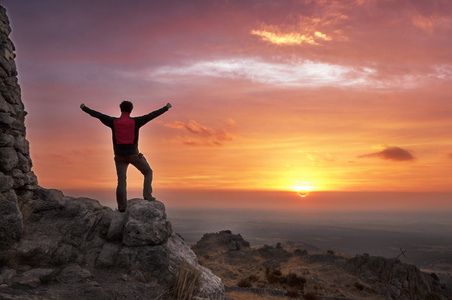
(303,190)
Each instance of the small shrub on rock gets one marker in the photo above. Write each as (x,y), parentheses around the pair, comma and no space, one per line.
(274,276)
(359,286)
(295,281)
(292,280)
(434,276)
(300,252)
(434,296)
(244,283)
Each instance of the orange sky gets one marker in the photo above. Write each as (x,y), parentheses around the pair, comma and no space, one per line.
(329,95)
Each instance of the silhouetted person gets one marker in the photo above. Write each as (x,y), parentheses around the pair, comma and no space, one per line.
(125,145)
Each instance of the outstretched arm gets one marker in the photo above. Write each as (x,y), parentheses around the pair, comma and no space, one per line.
(146,118)
(103,118)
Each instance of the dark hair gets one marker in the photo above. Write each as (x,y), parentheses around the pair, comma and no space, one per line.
(126,106)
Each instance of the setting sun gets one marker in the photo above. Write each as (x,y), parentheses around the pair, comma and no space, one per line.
(303,190)
(303,193)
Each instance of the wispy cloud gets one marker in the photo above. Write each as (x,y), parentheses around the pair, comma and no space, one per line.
(293,38)
(297,74)
(204,135)
(391,153)
(314,29)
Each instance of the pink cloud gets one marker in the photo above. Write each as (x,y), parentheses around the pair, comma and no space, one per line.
(203,135)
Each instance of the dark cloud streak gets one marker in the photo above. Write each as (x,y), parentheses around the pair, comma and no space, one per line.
(391,153)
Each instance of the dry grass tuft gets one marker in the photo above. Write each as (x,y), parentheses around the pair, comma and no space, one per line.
(186,285)
(26,209)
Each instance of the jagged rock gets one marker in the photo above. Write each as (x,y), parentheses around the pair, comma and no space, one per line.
(108,254)
(138,233)
(11,228)
(45,199)
(7,275)
(273,256)
(391,278)
(21,145)
(6,140)
(32,278)
(221,241)
(74,273)
(8,159)
(146,211)
(6,183)
(24,163)
(116,226)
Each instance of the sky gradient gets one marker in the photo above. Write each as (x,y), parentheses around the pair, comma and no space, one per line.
(267,95)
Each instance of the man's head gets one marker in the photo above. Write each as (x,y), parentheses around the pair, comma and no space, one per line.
(126,106)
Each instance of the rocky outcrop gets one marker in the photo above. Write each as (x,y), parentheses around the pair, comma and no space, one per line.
(139,245)
(220,241)
(15,163)
(393,279)
(58,247)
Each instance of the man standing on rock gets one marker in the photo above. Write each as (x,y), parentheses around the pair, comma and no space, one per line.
(125,145)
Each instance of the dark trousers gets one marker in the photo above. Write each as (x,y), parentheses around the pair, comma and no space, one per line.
(139,162)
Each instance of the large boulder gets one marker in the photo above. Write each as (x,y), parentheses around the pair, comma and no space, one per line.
(146,224)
